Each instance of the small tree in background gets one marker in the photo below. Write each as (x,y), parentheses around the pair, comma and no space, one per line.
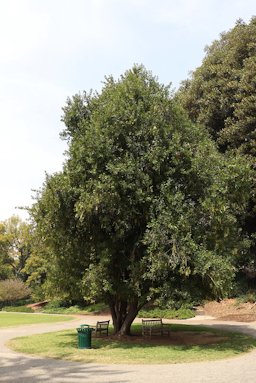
(6,270)
(15,247)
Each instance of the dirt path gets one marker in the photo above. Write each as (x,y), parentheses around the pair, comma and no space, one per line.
(19,368)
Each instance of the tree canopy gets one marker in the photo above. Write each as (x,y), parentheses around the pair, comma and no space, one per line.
(221,93)
(144,200)
(15,247)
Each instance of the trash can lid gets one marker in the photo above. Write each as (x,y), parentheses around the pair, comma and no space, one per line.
(84,329)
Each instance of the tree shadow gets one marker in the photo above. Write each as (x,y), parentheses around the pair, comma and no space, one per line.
(19,369)
(233,338)
(29,370)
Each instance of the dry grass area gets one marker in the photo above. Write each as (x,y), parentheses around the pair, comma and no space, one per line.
(231,310)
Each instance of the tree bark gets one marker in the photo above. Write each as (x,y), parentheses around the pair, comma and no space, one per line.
(123,315)
(118,312)
(130,316)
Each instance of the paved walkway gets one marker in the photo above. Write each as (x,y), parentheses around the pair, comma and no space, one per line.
(19,368)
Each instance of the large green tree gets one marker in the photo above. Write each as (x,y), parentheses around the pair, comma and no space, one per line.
(144,201)
(221,93)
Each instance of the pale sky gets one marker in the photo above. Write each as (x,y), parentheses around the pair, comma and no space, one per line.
(52,49)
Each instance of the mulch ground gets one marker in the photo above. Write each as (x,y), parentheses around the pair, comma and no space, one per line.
(187,338)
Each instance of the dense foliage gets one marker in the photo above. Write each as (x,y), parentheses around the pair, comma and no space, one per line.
(144,201)
(15,248)
(221,94)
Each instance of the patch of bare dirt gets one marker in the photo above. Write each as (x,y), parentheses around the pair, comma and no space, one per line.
(187,338)
(38,305)
(231,310)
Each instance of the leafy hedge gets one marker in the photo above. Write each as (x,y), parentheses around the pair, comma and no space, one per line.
(182,313)
(53,308)
(23,309)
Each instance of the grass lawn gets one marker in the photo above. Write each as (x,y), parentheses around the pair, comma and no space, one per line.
(15,319)
(137,350)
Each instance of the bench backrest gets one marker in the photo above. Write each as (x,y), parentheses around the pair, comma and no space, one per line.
(152,322)
(103,325)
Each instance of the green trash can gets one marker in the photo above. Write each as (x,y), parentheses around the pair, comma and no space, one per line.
(84,336)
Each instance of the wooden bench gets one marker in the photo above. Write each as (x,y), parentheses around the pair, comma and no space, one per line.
(154,327)
(101,327)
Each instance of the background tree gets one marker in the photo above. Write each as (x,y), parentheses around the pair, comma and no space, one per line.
(144,200)
(37,266)
(221,95)
(5,261)
(15,247)
(58,258)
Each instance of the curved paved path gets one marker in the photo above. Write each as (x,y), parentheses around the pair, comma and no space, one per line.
(20,368)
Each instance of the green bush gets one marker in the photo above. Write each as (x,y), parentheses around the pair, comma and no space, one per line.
(177,298)
(24,302)
(182,313)
(55,308)
(23,309)
(96,308)
(61,310)
(250,296)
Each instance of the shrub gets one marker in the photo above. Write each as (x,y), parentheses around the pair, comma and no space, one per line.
(61,310)
(12,290)
(96,308)
(23,309)
(53,308)
(182,313)
(250,297)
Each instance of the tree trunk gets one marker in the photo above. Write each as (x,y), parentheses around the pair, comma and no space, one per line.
(130,316)
(118,312)
(123,315)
